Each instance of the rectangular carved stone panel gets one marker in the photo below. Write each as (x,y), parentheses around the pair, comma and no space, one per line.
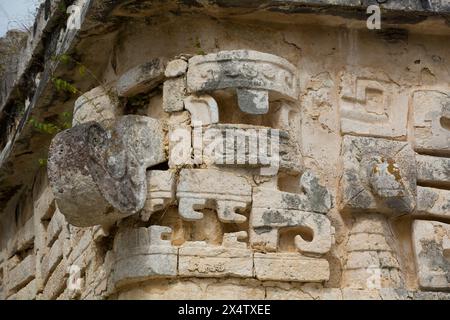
(430,241)
(372,105)
(431,121)
(290,267)
(197,259)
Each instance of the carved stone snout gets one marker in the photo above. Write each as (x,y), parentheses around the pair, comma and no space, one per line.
(98,174)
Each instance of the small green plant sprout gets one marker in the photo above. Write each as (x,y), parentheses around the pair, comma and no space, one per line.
(64,122)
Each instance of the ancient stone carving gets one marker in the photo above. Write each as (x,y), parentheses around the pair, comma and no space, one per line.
(203,109)
(142,254)
(232,258)
(174,92)
(92,168)
(273,210)
(433,202)
(266,223)
(253,74)
(371,262)
(141,78)
(176,68)
(431,121)
(98,105)
(251,147)
(433,171)
(430,241)
(160,192)
(372,105)
(208,188)
(290,267)
(379,175)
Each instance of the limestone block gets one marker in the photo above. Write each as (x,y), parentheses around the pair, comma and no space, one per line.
(371,104)
(141,78)
(180,139)
(431,121)
(199,188)
(254,75)
(174,92)
(51,260)
(160,191)
(176,68)
(290,267)
(265,224)
(29,292)
(251,146)
(232,259)
(433,171)
(98,175)
(56,283)
(100,104)
(54,227)
(378,176)
(203,109)
(22,273)
(142,254)
(315,198)
(433,267)
(367,242)
(434,203)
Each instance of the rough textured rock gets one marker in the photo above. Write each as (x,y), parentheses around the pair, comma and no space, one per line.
(141,78)
(92,169)
(379,175)
(429,240)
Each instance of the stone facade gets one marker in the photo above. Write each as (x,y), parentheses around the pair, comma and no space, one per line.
(248,151)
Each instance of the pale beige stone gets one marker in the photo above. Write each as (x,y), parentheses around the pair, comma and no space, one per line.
(434,203)
(433,268)
(174,92)
(101,104)
(290,267)
(22,273)
(176,68)
(198,187)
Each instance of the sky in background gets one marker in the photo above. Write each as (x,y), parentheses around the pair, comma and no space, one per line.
(15,14)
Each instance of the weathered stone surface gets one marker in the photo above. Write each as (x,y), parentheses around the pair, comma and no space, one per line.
(100,104)
(26,236)
(142,254)
(54,227)
(203,109)
(160,191)
(22,273)
(180,139)
(433,171)
(431,121)
(231,259)
(379,176)
(198,189)
(176,68)
(51,260)
(371,104)
(290,267)
(92,169)
(174,92)
(433,268)
(265,225)
(434,203)
(56,283)
(315,197)
(248,146)
(141,78)
(252,73)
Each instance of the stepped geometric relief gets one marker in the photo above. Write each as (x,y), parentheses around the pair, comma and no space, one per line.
(431,122)
(372,105)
